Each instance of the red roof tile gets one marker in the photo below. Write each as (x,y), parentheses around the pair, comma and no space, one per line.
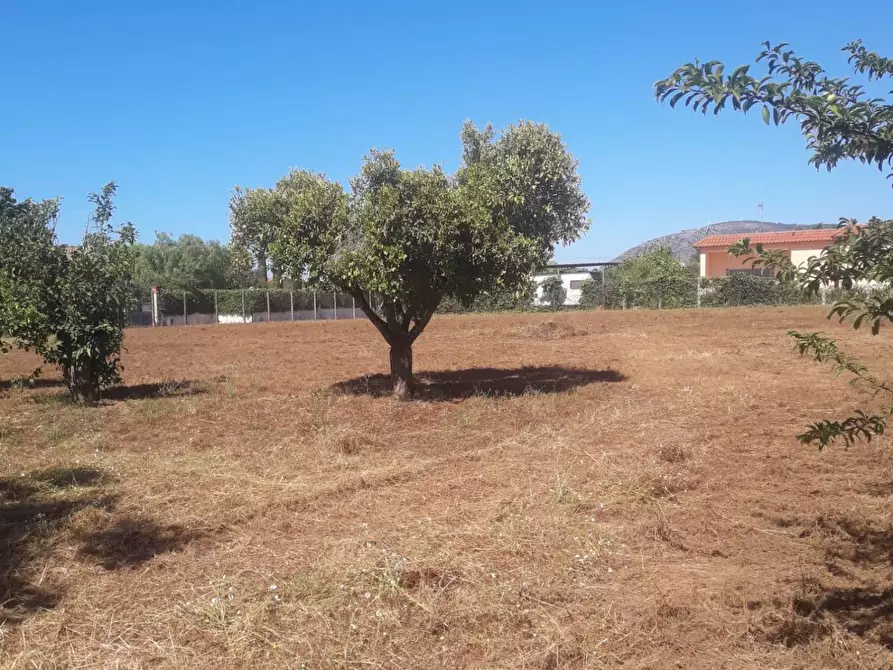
(825,235)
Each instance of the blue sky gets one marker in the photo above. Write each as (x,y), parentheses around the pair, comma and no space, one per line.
(180,101)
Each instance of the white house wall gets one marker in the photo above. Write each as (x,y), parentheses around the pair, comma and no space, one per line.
(573,295)
(799,257)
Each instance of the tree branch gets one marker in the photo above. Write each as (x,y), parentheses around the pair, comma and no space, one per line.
(366,308)
(421,323)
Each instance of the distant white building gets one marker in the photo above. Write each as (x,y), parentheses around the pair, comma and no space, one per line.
(573,283)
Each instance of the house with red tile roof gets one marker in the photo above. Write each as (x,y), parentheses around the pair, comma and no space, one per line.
(801,245)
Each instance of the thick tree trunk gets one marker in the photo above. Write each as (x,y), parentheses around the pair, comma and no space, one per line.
(82,385)
(401,369)
(262,267)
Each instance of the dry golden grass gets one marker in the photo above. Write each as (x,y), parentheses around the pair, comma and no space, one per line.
(630,495)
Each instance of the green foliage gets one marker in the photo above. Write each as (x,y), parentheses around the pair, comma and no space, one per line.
(837,118)
(493,301)
(741,289)
(230,301)
(592,293)
(839,121)
(554,293)
(30,262)
(188,263)
(71,308)
(254,214)
(653,279)
(93,298)
(415,237)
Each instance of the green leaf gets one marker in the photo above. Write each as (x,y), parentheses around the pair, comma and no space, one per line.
(765,115)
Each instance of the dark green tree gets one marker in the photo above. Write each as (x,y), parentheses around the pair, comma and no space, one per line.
(840,121)
(592,292)
(554,293)
(654,279)
(69,305)
(30,262)
(93,296)
(414,237)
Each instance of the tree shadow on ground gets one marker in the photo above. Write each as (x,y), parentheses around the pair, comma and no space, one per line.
(34,508)
(37,516)
(498,382)
(853,546)
(130,542)
(165,389)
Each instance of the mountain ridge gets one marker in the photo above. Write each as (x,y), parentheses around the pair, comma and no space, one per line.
(681,243)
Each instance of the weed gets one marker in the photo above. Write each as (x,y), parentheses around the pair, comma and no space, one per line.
(170,387)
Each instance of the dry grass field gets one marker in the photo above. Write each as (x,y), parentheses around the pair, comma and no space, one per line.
(590,490)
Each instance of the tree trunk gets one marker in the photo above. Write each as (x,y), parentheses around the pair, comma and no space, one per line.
(401,370)
(82,385)
(262,267)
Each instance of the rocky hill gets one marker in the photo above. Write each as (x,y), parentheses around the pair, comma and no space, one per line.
(681,243)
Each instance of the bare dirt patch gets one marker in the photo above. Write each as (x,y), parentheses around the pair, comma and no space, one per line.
(630,495)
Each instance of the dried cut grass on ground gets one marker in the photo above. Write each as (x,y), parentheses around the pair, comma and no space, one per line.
(633,496)
(550,330)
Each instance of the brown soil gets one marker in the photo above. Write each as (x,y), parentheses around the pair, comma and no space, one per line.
(614,489)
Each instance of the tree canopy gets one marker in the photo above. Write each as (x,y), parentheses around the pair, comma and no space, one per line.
(189,262)
(839,121)
(29,261)
(414,237)
(68,305)
(254,213)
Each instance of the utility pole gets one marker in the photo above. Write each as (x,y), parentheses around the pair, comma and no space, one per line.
(760,207)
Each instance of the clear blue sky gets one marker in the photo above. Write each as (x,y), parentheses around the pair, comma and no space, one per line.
(179,101)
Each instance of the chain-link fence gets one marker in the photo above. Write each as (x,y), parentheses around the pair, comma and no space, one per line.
(210,306)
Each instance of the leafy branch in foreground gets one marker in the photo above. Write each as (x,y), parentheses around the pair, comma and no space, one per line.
(839,121)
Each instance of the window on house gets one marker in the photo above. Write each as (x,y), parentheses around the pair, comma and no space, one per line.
(576,284)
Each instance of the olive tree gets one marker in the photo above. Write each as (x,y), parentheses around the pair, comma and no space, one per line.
(839,121)
(413,237)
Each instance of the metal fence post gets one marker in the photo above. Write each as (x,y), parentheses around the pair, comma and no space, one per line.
(291,296)
(604,286)
(268,305)
(243,306)
(335,304)
(314,306)
(354,303)
(184,308)
(216,309)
